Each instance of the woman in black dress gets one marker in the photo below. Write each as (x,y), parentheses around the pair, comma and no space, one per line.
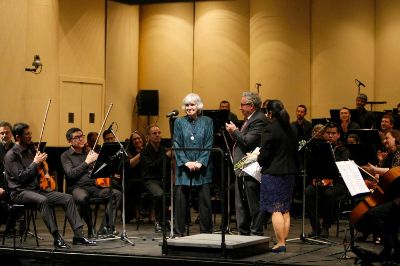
(280,164)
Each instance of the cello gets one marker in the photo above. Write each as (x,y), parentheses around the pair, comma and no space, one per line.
(46,182)
(381,194)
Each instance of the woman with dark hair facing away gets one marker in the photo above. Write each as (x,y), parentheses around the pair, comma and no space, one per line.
(280,164)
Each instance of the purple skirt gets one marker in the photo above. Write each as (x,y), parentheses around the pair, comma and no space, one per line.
(276,193)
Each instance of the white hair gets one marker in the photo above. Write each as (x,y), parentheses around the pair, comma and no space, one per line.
(193,98)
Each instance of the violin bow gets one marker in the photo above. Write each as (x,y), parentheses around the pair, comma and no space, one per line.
(44,123)
(102,125)
(362,169)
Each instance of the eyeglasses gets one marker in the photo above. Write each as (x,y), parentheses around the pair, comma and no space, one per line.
(79,137)
(243,104)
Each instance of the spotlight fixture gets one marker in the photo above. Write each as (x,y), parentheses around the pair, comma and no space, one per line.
(36,65)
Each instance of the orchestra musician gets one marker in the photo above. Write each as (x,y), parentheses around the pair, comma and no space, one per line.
(91,140)
(193,168)
(6,144)
(22,164)
(366,118)
(327,192)
(152,158)
(383,219)
(133,182)
(303,126)
(346,124)
(280,165)
(387,123)
(77,162)
(249,216)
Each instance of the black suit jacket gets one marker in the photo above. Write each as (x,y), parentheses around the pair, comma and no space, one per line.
(278,153)
(249,137)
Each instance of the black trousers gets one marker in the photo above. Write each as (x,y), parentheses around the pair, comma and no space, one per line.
(45,201)
(385,219)
(82,196)
(249,216)
(327,197)
(155,188)
(182,196)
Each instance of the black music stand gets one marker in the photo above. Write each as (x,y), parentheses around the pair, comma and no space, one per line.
(111,155)
(304,151)
(362,153)
(322,164)
(369,136)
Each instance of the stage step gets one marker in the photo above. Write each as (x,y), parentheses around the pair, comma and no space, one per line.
(209,246)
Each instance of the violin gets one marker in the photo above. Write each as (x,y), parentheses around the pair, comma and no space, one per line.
(380,195)
(324,182)
(103,182)
(46,182)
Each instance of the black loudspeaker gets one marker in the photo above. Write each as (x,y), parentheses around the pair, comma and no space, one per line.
(147,102)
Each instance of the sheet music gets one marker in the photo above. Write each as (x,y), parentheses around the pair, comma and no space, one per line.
(254,169)
(352,177)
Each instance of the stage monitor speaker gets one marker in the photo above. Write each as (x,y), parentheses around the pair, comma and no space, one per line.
(147,102)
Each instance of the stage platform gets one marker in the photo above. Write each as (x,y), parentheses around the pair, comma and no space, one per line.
(147,248)
(211,245)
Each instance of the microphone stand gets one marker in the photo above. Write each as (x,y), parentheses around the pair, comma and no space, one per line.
(302,236)
(122,155)
(227,228)
(171,234)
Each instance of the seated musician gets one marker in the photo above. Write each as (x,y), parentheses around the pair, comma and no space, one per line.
(383,219)
(346,124)
(133,172)
(22,165)
(329,192)
(152,157)
(77,162)
(108,137)
(6,144)
(91,140)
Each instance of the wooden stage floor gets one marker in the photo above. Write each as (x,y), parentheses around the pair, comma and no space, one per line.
(148,251)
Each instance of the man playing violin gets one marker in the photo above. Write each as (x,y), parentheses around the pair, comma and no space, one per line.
(22,164)
(77,162)
(328,191)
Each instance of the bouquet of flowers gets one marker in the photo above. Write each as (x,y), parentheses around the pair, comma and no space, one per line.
(248,159)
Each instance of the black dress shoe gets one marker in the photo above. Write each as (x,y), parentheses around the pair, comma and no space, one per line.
(83,241)
(325,232)
(60,243)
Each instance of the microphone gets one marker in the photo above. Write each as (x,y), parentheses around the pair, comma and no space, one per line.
(110,127)
(173,113)
(360,83)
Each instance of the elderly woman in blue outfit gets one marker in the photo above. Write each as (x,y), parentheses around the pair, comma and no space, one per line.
(193,168)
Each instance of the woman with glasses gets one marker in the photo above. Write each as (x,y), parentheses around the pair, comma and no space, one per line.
(133,181)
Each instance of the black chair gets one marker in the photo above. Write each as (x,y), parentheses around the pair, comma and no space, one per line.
(96,202)
(343,210)
(146,199)
(15,212)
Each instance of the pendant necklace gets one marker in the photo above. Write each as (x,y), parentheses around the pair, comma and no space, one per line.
(193,124)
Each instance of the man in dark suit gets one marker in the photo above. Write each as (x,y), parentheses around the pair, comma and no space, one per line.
(21,165)
(249,218)
(303,126)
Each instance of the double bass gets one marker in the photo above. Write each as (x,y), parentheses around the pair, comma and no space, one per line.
(381,194)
